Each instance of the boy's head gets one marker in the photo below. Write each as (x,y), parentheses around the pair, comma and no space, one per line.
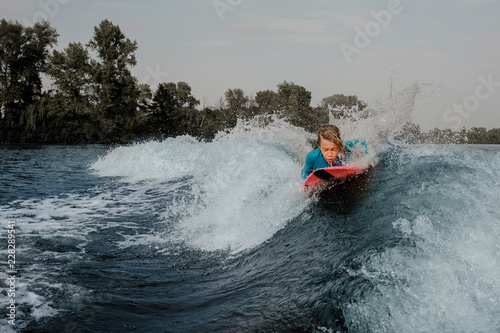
(329,142)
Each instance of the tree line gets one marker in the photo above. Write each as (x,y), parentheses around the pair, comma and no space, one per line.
(94,98)
(411,133)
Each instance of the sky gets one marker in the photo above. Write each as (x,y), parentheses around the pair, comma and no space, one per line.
(450,47)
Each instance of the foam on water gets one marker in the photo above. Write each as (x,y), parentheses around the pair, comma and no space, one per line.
(244,185)
(377,123)
(207,195)
(443,274)
(61,227)
(152,161)
(439,204)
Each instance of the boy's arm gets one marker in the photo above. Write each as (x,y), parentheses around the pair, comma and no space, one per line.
(349,145)
(306,171)
(308,166)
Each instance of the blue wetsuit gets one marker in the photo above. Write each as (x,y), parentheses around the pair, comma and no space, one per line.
(315,160)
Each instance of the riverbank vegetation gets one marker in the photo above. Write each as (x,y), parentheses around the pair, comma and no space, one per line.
(94,98)
(412,133)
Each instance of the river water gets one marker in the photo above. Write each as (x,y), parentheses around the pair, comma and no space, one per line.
(186,236)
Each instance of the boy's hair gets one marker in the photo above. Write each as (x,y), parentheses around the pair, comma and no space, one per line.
(331,133)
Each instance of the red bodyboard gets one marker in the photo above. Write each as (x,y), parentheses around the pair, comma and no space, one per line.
(331,173)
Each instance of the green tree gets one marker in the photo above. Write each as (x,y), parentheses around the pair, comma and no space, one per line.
(342,100)
(462,136)
(71,71)
(115,87)
(410,133)
(183,97)
(293,98)
(173,108)
(294,102)
(163,103)
(340,105)
(267,101)
(236,100)
(145,98)
(477,135)
(52,119)
(23,57)
(206,123)
(494,136)
(71,101)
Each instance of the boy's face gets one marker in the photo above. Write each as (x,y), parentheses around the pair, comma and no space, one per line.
(329,150)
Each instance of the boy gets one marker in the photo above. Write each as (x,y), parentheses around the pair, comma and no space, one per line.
(329,146)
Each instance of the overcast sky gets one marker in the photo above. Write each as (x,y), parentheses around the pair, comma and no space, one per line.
(327,46)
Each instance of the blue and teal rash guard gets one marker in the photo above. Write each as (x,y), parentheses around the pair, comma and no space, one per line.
(315,160)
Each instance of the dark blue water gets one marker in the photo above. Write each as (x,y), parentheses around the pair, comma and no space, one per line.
(182,236)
